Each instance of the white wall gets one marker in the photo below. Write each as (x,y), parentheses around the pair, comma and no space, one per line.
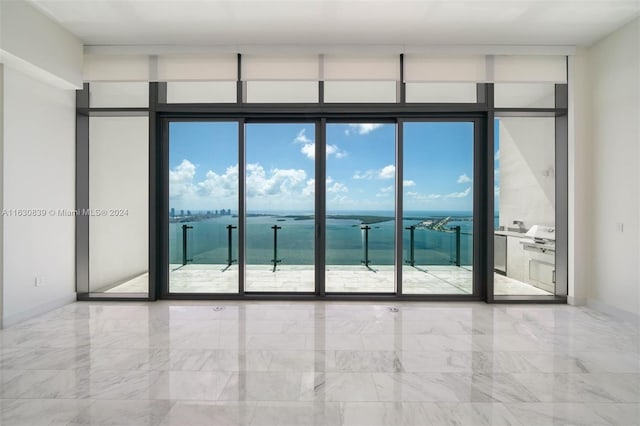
(580,179)
(118,179)
(1,188)
(38,46)
(39,173)
(527,171)
(614,73)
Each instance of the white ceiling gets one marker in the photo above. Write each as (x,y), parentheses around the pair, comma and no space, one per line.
(340,22)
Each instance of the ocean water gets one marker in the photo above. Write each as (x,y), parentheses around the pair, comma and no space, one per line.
(207,241)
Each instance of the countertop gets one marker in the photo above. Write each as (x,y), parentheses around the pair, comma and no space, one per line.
(510,233)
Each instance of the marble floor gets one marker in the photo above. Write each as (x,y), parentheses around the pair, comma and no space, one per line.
(436,279)
(319,363)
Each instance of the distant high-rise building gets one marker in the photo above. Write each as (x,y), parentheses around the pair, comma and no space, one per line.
(188,212)
(181,212)
(173,212)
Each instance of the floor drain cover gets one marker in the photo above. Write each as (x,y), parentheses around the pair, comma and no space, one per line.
(394,309)
(218,308)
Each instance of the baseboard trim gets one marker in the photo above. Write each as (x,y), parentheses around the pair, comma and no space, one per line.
(576,301)
(10,320)
(613,311)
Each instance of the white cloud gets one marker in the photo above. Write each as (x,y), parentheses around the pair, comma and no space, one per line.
(276,184)
(496,156)
(459,194)
(216,185)
(337,187)
(277,181)
(310,188)
(463,178)
(407,183)
(387,172)
(181,180)
(302,137)
(309,150)
(387,189)
(309,147)
(422,197)
(363,128)
(334,150)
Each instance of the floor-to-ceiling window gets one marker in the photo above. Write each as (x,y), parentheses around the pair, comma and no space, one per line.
(525,206)
(438,184)
(112,209)
(530,184)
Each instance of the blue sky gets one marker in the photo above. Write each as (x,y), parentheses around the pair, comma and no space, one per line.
(438,166)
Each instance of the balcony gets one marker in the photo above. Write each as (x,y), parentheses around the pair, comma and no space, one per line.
(437,261)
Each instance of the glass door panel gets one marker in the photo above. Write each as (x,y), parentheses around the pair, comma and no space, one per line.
(437,237)
(525,206)
(203,202)
(360,199)
(280,205)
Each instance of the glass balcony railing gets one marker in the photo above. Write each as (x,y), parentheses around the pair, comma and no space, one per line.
(276,241)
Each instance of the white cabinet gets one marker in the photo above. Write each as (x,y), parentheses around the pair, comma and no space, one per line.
(517,267)
(541,267)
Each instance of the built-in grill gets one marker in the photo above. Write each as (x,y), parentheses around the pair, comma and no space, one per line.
(540,237)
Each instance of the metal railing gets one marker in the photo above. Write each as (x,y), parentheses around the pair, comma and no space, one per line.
(366,261)
(365,245)
(412,252)
(230,259)
(185,235)
(275,259)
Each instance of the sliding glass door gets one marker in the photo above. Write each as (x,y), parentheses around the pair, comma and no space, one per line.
(280,206)
(265,238)
(360,199)
(203,207)
(437,237)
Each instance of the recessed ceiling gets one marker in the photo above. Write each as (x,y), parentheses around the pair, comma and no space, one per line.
(340,22)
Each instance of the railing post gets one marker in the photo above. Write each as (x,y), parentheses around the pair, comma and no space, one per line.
(412,260)
(185,258)
(275,259)
(457,229)
(366,228)
(230,258)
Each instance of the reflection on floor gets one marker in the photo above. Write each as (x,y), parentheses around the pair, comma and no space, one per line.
(504,286)
(188,363)
(196,278)
(139,284)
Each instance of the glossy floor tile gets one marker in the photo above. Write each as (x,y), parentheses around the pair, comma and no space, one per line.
(320,363)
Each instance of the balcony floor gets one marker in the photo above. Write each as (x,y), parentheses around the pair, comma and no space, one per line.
(196,278)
